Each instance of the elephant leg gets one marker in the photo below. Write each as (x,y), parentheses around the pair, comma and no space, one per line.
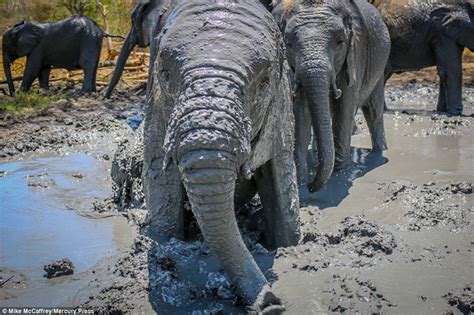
(449,63)
(373,112)
(164,190)
(90,74)
(44,78)
(89,62)
(32,71)
(388,75)
(344,111)
(165,199)
(302,136)
(276,184)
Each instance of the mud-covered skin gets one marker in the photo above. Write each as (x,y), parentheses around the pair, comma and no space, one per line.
(219,106)
(433,33)
(72,44)
(126,173)
(338,51)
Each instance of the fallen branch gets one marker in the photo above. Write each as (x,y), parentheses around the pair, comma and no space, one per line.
(4,282)
(14,79)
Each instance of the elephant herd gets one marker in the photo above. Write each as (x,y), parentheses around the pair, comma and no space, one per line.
(236,89)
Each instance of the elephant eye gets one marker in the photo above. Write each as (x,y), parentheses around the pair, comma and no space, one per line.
(340,41)
(264,82)
(165,74)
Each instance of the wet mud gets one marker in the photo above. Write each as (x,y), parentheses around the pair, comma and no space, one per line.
(391,233)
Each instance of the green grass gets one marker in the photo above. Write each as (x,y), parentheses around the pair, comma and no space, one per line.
(27,102)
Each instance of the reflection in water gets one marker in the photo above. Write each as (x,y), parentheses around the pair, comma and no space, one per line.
(363,161)
(36,225)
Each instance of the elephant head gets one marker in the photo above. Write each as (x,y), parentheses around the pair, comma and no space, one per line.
(319,36)
(18,42)
(145,16)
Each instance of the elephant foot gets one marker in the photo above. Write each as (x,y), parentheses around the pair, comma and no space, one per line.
(267,303)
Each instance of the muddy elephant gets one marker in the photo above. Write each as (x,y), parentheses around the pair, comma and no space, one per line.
(337,51)
(433,33)
(72,44)
(145,16)
(219,111)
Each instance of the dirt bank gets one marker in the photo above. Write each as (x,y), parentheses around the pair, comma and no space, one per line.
(72,121)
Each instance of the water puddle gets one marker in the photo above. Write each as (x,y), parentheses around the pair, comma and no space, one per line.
(37,221)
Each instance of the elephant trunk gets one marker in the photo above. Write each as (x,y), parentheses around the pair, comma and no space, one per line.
(208,138)
(7,70)
(130,43)
(210,186)
(317,80)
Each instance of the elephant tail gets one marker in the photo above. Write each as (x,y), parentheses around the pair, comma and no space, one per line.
(113,36)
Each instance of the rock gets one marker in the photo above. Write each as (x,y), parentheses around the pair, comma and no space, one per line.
(59,268)
(224,293)
(462,300)
(216,280)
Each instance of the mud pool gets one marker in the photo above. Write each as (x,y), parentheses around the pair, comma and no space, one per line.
(41,199)
(390,234)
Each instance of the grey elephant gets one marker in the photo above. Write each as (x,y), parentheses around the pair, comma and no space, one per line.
(74,43)
(219,124)
(429,33)
(145,16)
(338,51)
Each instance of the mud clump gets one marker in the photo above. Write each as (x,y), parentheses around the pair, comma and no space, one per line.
(356,244)
(59,268)
(354,295)
(126,173)
(431,204)
(368,237)
(463,300)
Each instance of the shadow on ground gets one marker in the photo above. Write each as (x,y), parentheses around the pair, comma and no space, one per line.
(341,181)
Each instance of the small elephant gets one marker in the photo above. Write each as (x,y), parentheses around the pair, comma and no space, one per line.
(219,124)
(74,43)
(428,33)
(337,50)
(145,16)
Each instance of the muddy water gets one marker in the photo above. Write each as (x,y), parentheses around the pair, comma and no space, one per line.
(39,200)
(407,193)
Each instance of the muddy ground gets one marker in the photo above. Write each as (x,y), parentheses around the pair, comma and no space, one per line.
(390,234)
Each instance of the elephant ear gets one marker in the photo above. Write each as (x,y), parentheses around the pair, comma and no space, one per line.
(353,27)
(29,37)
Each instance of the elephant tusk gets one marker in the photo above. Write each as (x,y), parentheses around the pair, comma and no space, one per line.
(166,162)
(247,170)
(337,93)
